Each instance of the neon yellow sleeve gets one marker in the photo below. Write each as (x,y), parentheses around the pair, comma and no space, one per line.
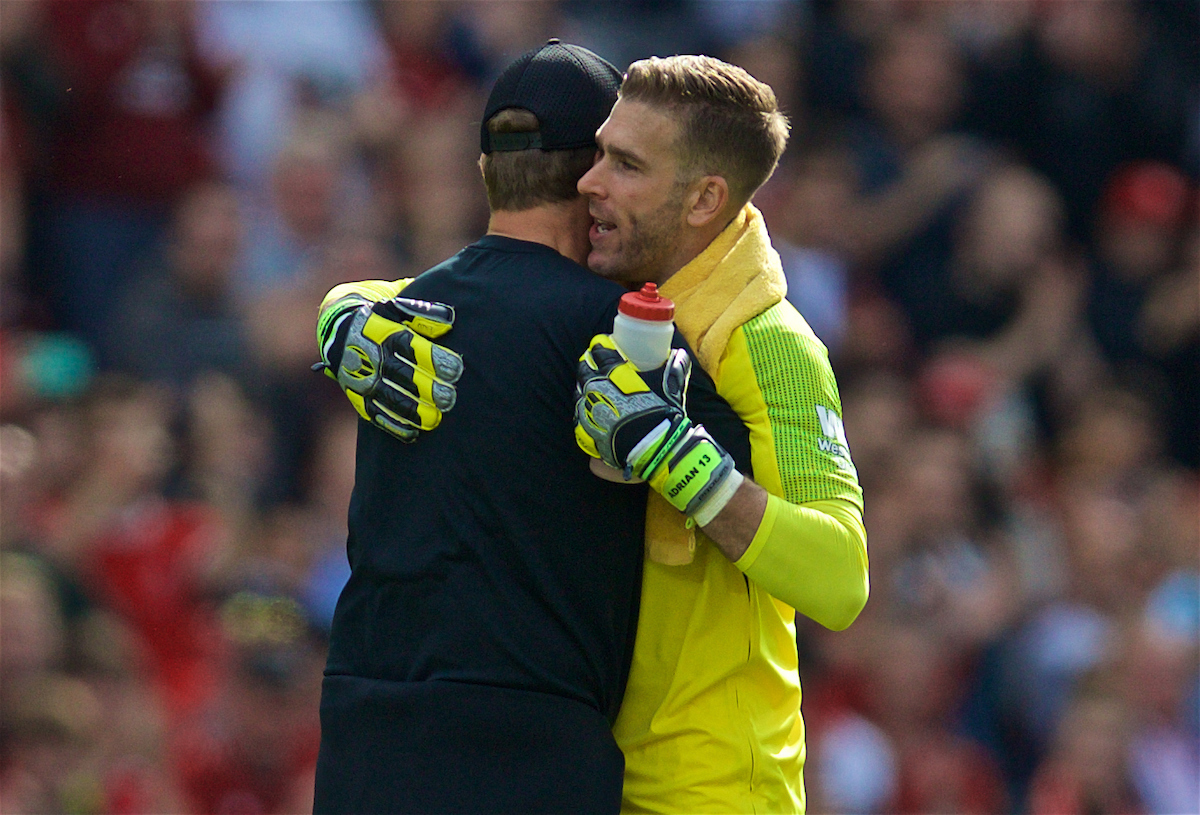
(373,291)
(812,556)
(345,297)
(809,550)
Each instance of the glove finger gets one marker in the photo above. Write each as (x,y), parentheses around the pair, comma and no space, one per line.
(597,411)
(403,432)
(677,373)
(405,407)
(587,366)
(417,382)
(627,379)
(602,341)
(379,327)
(585,441)
(427,318)
(584,374)
(377,415)
(594,418)
(408,345)
(606,359)
(604,346)
(447,365)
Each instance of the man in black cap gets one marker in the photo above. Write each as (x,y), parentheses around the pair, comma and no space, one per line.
(480,649)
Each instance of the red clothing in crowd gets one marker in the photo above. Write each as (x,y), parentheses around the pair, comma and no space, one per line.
(137,96)
(223,776)
(943,773)
(149,569)
(1057,789)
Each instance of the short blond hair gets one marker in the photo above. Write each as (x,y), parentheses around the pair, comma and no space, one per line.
(730,123)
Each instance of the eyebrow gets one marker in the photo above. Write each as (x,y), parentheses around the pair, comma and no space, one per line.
(619,153)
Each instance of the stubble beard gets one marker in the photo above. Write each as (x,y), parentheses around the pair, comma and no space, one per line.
(646,249)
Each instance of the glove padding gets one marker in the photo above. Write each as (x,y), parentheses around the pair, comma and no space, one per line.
(391,372)
(628,426)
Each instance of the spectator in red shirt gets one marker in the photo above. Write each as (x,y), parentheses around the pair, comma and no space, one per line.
(255,750)
(128,139)
(150,560)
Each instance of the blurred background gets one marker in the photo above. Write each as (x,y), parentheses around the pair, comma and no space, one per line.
(987,212)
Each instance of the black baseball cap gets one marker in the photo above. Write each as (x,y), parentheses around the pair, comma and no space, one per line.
(570,89)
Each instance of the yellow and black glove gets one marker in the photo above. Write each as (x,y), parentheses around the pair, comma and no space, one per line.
(620,420)
(382,355)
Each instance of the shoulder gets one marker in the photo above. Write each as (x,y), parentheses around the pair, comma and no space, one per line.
(781,338)
(777,366)
(559,276)
(527,287)
(531,265)
(539,278)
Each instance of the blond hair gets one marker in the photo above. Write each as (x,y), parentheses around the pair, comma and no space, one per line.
(729,123)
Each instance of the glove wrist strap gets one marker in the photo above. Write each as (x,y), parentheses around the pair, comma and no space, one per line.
(676,432)
(711,508)
(693,472)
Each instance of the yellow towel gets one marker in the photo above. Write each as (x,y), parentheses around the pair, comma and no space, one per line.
(736,278)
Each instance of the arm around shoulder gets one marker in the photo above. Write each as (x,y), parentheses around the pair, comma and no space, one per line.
(379,348)
(365,291)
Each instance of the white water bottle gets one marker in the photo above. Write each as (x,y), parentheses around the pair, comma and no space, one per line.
(643,330)
(643,327)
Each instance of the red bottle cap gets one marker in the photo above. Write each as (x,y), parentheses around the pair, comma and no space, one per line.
(647,304)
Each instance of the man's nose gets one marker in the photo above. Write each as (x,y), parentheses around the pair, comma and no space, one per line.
(590,185)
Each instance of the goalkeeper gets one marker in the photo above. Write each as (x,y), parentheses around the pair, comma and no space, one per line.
(480,649)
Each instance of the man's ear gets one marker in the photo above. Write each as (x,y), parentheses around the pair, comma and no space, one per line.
(707,200)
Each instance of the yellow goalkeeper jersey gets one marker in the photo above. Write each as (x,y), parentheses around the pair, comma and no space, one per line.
(710,720)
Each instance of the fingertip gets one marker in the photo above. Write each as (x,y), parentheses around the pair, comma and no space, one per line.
(447,365)
(444,396)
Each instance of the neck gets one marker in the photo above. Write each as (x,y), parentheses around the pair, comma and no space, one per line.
(562,227)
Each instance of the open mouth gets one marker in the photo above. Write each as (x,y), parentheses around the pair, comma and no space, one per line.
(600,227)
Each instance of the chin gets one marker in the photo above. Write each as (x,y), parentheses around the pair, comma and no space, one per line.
(599,265)
(611,268)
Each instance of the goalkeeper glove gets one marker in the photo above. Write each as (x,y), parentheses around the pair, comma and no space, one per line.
(382,355)
(625,424)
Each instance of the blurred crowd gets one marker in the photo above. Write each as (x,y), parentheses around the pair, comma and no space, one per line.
(988,212)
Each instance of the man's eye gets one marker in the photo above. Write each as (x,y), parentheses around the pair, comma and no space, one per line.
(625,165)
